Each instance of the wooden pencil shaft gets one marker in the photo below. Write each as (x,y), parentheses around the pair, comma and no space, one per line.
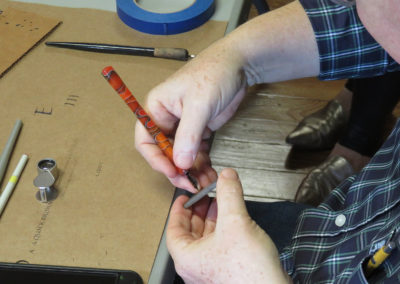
(159,137)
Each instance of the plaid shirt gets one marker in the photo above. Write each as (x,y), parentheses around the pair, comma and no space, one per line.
(346,49)
(332,241)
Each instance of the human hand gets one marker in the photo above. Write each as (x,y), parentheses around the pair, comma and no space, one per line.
(229,249)
(196,100)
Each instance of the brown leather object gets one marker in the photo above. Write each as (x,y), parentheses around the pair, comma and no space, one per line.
(317,185)
(320,130)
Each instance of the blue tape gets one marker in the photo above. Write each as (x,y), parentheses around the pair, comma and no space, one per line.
(165,24)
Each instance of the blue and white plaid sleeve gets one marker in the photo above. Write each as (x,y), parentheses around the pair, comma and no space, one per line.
(346,49)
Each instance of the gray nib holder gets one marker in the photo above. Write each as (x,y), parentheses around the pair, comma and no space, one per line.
(48,173)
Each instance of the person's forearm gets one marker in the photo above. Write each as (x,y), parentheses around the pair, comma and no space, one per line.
(382,20)
(279,45)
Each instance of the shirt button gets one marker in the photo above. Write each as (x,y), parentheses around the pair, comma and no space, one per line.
(340,220)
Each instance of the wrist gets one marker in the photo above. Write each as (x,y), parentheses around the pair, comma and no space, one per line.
(277,46)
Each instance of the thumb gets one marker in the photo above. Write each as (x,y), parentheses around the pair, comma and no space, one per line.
(230,194)
(189,134)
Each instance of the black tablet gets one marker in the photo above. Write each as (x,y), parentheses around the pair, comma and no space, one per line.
(11,273)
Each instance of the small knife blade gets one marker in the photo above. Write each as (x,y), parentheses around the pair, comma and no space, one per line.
(199,195)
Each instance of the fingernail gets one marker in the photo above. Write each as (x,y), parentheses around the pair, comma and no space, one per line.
(184,160)
(229,173)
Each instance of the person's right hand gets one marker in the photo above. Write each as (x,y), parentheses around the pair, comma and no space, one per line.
(204,94)
(196,100)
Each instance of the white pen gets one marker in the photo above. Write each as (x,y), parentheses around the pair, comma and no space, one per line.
(5,195)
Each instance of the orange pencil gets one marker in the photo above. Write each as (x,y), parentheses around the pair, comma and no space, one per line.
(161,140)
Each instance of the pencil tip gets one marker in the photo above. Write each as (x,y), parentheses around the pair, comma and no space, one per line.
(193,181)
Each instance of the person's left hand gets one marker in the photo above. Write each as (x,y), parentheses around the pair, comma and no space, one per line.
(229,249)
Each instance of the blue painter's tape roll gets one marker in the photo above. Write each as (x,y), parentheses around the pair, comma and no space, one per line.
(165,24)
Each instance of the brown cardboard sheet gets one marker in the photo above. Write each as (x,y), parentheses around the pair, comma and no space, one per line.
(112,206)
(19,32)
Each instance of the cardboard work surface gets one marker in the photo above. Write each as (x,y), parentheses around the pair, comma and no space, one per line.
(112,206)
(19,32)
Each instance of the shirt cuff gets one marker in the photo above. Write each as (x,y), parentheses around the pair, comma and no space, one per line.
(346,48)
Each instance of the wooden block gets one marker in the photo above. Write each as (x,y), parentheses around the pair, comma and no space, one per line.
(268,185)
(277,107)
